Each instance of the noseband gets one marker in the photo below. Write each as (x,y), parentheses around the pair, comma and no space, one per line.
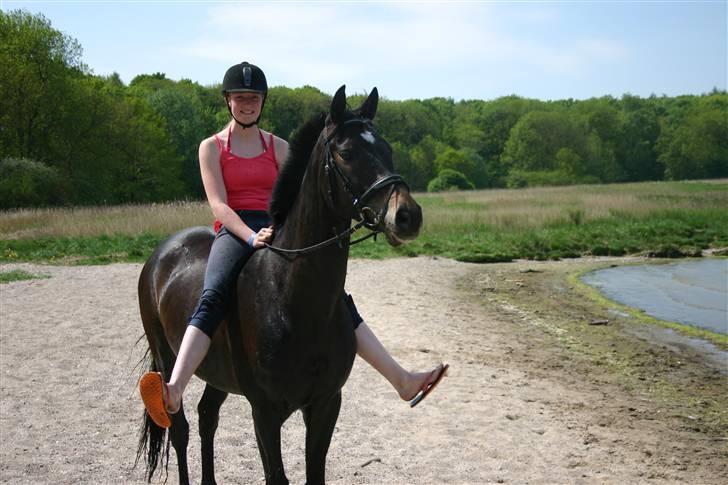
(369,217)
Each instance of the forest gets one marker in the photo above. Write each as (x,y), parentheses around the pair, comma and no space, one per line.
(70,137)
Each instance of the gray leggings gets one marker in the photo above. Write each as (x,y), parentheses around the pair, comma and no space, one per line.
(227,257)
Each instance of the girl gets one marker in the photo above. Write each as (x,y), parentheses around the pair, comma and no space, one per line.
(239,166)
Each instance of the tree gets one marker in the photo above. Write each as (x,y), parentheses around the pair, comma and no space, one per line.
(636,151)
(423,157)
(449,179)
(152,82)
(403,165)
(408,122)
(187,123)
(455,160)
(25,183)
(142,159)
(286,109)
(569,162)
(698,148)
(39,64)
(537,137)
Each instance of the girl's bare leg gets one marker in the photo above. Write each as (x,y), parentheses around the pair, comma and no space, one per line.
(407,384)
(192,351)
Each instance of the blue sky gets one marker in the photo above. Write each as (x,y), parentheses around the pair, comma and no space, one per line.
(463,50)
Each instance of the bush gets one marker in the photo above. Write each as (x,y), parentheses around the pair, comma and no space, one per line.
(27,183)
(519,178)
(449,179)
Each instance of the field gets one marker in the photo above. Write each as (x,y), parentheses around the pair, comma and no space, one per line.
(535,393)
(664,219)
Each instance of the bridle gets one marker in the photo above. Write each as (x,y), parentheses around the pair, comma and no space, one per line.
(365,215)
(362,212)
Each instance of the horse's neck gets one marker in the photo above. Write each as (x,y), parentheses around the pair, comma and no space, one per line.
(310,221)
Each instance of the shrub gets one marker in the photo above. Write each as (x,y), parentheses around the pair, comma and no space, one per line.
(520,178)
(449,179)
(27,183)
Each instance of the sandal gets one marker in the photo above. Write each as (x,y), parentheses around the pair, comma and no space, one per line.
(153,390)
(429,387)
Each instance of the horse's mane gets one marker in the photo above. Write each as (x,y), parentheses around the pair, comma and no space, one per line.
(289,180)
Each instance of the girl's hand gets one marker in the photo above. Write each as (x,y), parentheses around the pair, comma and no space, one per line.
(264,236)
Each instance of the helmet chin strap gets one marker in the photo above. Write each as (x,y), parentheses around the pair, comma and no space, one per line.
(246,125)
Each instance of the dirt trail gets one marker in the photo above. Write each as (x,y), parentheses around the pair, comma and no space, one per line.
(69,411)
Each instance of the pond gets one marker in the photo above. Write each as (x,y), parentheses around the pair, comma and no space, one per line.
(689,292)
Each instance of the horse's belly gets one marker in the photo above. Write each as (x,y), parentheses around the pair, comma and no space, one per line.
(300,377)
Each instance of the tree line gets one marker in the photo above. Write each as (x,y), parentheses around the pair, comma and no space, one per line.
(68,136)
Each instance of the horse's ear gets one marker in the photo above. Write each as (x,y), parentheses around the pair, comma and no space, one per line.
(369,108)
(338,105)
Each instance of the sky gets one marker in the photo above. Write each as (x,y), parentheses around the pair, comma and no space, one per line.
(411,49)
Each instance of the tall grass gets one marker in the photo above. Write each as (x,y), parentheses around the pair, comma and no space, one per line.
(103,220)
(548,206)
(661,218)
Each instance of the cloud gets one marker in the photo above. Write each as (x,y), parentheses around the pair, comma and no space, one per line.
(323,44)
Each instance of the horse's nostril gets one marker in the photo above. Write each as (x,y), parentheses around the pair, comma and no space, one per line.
(402,219)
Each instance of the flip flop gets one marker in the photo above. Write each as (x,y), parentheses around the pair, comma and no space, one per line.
(152,389)
(428,388)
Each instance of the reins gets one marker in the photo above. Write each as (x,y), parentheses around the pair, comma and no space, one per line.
(338,238)
(367,217)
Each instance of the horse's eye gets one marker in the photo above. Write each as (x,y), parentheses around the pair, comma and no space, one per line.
(345,154)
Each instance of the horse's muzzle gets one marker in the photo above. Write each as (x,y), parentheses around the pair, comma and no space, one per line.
(404,218)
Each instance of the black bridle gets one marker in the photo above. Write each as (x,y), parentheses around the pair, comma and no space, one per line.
(362,212)
(365,215)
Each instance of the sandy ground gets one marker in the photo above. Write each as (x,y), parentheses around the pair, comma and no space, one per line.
(69,410)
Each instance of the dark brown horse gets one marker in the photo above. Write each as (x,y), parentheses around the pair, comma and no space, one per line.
(287,342)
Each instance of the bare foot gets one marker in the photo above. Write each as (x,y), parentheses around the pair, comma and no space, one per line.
(413,383)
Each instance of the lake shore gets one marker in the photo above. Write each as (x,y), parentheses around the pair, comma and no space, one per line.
(669,360)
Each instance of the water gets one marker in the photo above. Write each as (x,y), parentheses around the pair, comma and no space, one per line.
(689,292)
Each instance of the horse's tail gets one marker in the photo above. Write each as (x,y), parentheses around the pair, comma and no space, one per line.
(153,440)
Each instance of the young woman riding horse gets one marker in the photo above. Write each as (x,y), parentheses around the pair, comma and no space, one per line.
(239,166)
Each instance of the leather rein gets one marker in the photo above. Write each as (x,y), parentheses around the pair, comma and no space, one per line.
(365,215)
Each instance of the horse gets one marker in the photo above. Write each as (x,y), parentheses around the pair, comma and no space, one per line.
(287,341)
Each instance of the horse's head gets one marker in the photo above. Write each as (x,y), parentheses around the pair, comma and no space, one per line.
(361,173)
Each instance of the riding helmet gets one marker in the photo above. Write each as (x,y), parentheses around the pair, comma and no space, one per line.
(244,77)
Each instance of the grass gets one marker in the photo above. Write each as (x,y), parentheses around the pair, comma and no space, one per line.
(658,218)
(85,222)
(18,275)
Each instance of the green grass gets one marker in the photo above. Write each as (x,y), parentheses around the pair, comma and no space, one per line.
(18,275)
(669,233)
(668,219)
(81,250)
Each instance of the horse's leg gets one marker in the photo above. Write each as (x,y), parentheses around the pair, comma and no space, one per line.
(208,411)
(179,433)
(320,418)
(268,435)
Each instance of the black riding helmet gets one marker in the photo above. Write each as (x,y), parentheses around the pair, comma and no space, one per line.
(245,78)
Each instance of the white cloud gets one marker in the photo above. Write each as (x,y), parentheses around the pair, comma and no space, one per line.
(327,44)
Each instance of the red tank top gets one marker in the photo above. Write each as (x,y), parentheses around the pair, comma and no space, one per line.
(248,181)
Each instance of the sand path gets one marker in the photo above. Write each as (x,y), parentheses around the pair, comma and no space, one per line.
(69,411)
